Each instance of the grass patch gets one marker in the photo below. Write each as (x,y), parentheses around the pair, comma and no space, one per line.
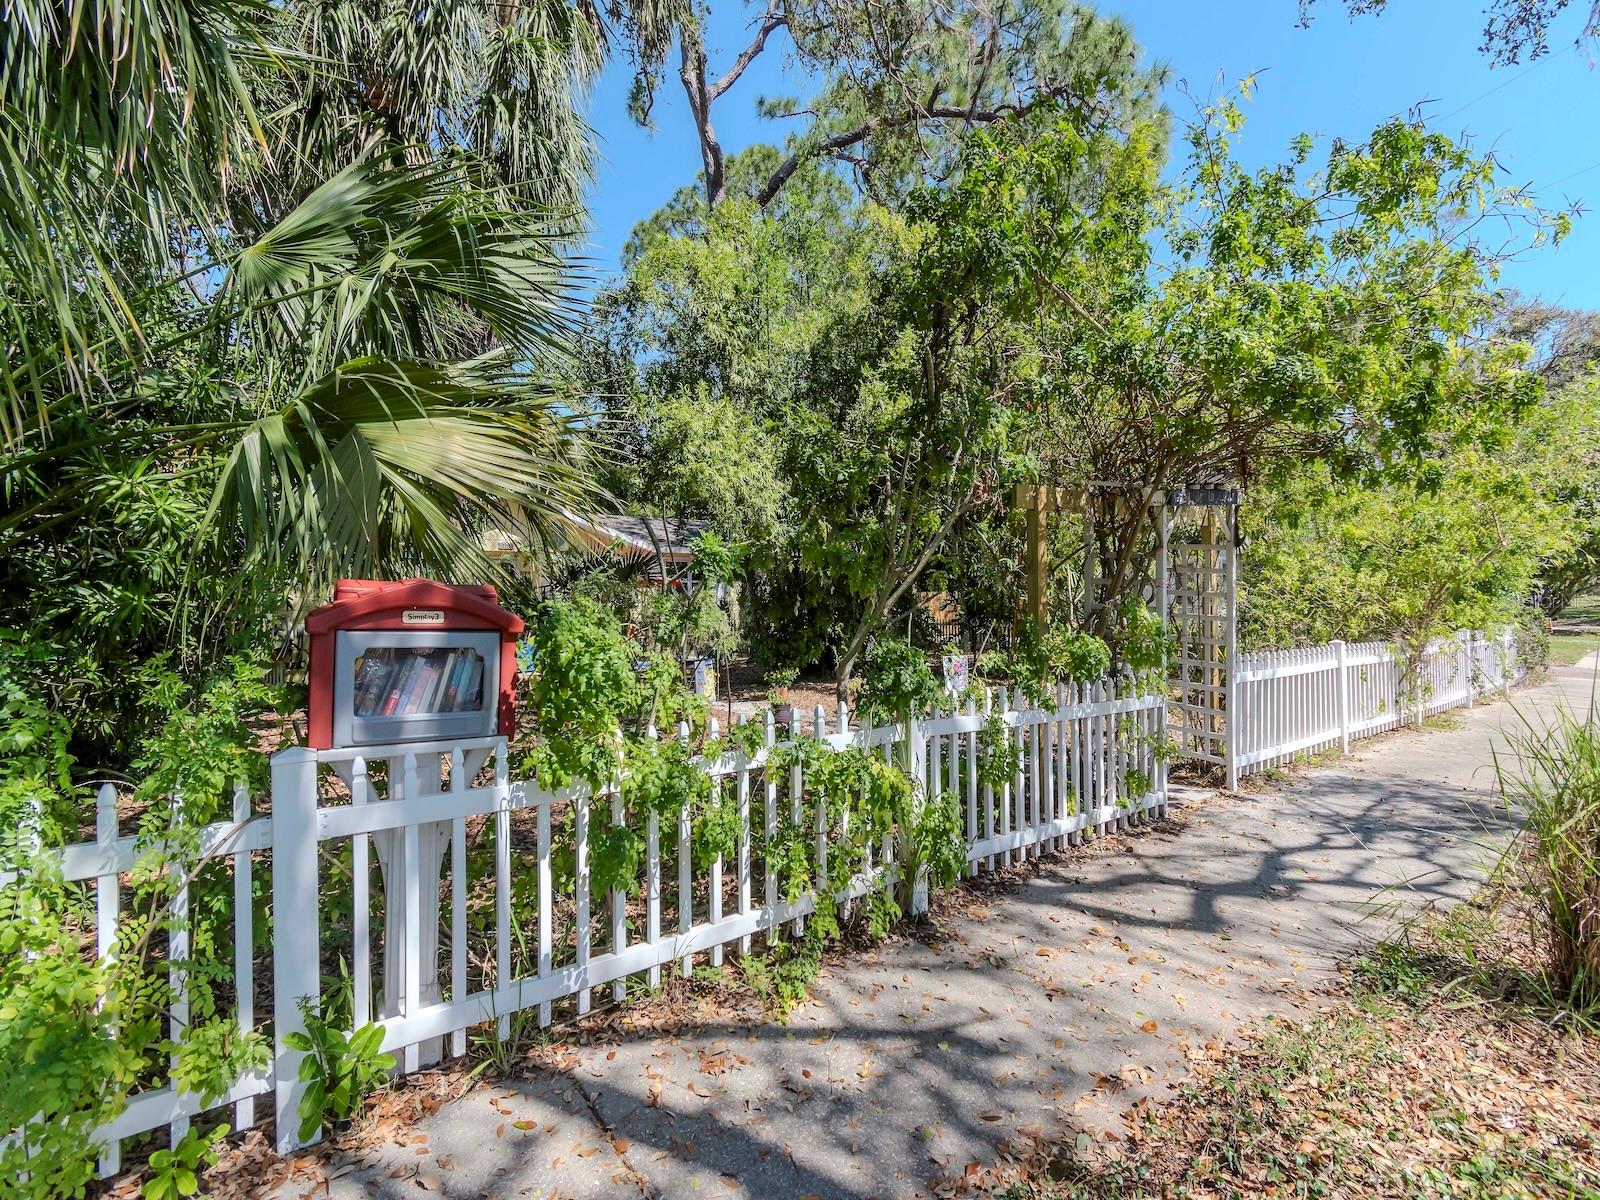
(1551,774)
(1569,648)
(1584,610)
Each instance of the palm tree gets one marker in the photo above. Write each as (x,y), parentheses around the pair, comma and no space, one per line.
(285,294)
(313,254)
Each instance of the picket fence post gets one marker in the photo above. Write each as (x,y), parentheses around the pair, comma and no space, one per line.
(1469,655)
(919,773)
(107,900)
(296,952)
(1343,689)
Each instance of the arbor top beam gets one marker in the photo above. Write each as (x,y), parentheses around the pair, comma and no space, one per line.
(1049,497)
(1184,495)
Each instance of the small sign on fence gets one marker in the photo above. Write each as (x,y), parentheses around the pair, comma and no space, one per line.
(955,673)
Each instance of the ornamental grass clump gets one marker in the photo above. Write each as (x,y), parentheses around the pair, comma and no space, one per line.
(1551,775)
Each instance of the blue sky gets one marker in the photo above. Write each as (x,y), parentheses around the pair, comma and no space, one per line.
(1340,77)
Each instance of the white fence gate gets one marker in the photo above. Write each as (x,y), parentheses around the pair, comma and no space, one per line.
(1089,761)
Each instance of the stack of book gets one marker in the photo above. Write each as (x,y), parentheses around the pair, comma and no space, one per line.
(394,681)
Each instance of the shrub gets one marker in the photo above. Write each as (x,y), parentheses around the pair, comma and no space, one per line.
(79,1033)
(1552,777)
(899,683)
(340,1069)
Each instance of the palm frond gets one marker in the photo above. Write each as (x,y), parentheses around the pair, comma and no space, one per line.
(386,464)
(117,121)
(538,64)
(365,263)
(506,82)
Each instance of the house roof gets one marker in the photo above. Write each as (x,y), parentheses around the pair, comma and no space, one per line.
(667,536)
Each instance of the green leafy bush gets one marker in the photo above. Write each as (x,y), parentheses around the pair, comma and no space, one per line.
(581,689)
(176,1172)
(897,681)
(1037,663)
(78,1034)
(340,1069)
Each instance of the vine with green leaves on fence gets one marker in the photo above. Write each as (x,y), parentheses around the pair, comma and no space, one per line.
(80,1033)
(595,697)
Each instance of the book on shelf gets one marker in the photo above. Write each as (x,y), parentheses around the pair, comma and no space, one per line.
(372,672)
(395,686)
(452,690)
(441,681)
(426,673)
(470,698)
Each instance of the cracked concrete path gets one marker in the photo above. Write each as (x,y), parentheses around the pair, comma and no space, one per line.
(1046,1002)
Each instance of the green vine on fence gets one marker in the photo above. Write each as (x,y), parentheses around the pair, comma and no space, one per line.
(999,756)
(595,698)
(79,1033)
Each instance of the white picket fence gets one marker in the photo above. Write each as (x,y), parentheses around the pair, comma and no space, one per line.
(416,807)
(1292,703)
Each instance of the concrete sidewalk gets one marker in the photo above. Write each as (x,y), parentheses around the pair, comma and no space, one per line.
(1048,1003)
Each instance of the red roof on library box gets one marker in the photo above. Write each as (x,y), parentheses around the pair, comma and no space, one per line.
(419,605)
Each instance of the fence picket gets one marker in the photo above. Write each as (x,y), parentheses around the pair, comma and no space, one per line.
(988,789)
(580,893)
(971,776)
(770,827)
(823,889)
(106,911)
(360,902)
(244,978)
(296,957)
(458,898)
(546,954)
(798,926)
(504,971)
(177,957)
(411,987)
(714,897)
(685,881)
(1003,801)
(619,904)
(743,795)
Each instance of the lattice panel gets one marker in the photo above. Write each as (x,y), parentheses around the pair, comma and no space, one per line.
(1201,598)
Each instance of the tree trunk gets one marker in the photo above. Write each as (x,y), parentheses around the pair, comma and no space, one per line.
(841,679)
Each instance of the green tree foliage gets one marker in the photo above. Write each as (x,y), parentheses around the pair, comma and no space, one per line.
(699,455)
(1411,560)
(901,83)
(834,328)
(1229,323)
(283,299)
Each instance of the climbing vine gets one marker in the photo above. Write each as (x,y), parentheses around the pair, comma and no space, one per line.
(595,699)
(999,755)
(1038,661)
(79,1033)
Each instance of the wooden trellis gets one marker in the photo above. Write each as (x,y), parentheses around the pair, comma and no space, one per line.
(1194,587)
(1201,608)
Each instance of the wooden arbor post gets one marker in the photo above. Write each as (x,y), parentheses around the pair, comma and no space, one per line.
(1038,501)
